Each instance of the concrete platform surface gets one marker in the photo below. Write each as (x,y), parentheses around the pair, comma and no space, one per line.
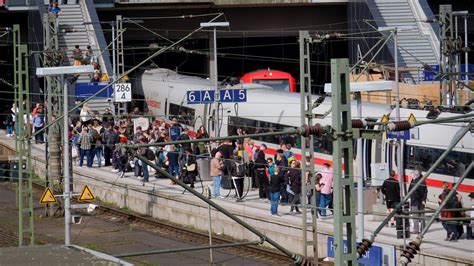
(160,199)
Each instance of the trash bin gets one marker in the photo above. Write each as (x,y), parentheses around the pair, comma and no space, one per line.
(204,167)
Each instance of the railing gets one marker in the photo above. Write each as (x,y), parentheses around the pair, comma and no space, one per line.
(96,35)
(425,27)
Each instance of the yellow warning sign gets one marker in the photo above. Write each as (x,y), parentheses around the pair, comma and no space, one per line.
(48,197)
(385,119)
(412,118)
(86,194)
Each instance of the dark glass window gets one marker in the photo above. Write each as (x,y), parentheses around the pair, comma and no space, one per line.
(424,157)
(251,126)
(183,115)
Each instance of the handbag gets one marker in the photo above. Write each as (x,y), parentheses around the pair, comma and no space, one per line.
(74,152)
(191,168)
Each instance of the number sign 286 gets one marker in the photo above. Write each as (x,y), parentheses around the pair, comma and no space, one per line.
(123,92)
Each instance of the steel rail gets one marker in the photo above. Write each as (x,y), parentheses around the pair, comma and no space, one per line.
(174,250)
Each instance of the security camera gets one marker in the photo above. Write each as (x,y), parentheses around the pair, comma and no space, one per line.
(76,219)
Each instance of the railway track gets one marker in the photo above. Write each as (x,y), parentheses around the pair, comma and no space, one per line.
(180,233)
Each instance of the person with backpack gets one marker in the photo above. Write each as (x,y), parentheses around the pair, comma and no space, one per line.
(190,170)
(451,229)
(238,174)
(391,191)
(418,201)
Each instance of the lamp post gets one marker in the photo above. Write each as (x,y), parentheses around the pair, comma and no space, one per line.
(214,77)
(401,176)
(56,71)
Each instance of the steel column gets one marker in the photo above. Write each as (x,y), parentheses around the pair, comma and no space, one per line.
(23,143)
(344,208)
(307,118)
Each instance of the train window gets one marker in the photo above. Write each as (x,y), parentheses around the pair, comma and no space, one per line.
(184,115)
(276,84)
(251,126)
(424,157)
(323,144)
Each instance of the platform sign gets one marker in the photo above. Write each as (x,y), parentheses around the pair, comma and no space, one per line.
(48,197)
(403,135)
(86,194)
(431,73)
(373,257)
(122,92)
(233,96)
(85,90)
(200,97)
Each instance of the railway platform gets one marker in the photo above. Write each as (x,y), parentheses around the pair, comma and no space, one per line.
(161,200)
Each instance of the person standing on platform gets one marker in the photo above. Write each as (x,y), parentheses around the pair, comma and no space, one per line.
(326,188)
(216,174)
(173,162)
(418,202)
(238,175)
(391,190)
(276,181)
(38,123)
(262,178)
(294,179)
(471,222)
(85,140)
(282,163)
(109,140)
(143,151)
(317,190)
(9,122)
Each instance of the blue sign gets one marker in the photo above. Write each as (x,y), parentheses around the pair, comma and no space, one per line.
(431,73)
(84,90)
(233,96)
(175,132)
(373,257)
(405,135)
(199,97)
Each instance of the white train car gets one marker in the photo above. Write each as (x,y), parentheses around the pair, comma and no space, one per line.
(425,146)
(267,110)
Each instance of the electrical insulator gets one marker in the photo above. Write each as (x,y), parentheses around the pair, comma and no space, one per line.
(316,130)
(363,247)
(410,251)
(359,123)
(400,125)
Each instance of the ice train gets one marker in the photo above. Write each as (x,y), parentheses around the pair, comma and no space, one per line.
(269,110)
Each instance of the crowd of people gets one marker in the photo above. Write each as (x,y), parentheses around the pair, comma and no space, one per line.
(454,229)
